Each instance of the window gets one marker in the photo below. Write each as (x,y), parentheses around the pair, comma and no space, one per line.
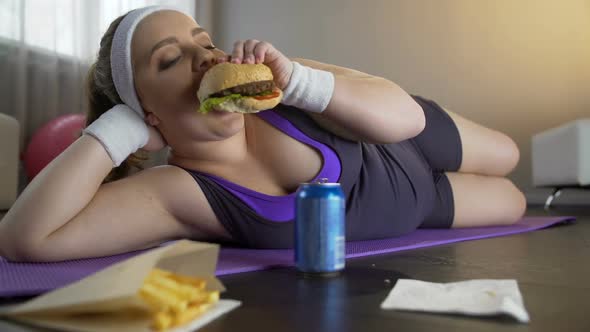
(69,27)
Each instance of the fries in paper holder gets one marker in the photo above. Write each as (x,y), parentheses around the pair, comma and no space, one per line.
(169,287)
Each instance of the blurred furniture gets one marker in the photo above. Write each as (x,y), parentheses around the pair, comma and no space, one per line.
(9,138)
(50,140)
(561,158)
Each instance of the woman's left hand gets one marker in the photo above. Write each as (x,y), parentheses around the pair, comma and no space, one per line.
(254,51)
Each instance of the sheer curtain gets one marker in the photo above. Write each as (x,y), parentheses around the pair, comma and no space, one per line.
(46,47)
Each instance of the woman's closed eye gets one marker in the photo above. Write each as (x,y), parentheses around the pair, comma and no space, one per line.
(165,64)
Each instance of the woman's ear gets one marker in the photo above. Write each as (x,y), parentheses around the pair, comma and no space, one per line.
(152,119)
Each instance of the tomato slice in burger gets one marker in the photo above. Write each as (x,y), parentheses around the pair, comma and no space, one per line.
(268,96)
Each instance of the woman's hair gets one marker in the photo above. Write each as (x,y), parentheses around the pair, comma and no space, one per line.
(102,96)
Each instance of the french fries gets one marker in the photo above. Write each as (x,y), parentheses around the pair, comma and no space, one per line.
(174,299)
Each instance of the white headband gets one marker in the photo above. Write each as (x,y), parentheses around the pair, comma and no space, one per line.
(121,68)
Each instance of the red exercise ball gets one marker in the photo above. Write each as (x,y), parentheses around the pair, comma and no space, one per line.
(50,140)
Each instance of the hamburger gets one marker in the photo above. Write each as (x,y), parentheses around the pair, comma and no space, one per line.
(240,88)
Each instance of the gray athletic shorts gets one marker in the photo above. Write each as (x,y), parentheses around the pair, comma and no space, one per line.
(440,145)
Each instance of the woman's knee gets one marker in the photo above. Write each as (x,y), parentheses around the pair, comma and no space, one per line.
(485,151)
(508,155)
(514,206)
(482,200)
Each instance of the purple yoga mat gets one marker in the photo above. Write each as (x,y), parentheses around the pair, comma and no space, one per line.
(24,279)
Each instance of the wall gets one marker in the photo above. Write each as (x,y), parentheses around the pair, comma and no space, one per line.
(515,66)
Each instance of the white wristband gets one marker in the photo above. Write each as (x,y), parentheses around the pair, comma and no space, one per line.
(309,89)
(121,131)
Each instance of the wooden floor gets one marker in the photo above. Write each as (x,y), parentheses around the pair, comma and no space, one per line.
(552,267)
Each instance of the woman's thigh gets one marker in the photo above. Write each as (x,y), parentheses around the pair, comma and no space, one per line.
(480,200)
(484,151)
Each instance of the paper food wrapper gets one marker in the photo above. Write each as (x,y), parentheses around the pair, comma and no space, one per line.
(108,300)
(481,297)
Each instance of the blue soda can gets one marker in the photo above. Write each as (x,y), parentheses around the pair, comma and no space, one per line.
(320,228)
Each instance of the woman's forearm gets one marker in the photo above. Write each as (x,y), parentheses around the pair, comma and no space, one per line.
(57,194)
(371,108)
(374,109)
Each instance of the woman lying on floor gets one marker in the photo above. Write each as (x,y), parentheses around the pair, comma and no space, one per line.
(403,161)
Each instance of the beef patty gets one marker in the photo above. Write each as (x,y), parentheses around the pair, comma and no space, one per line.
(248,89)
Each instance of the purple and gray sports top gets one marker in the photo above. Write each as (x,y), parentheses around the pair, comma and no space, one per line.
(390,189)
(282,208)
